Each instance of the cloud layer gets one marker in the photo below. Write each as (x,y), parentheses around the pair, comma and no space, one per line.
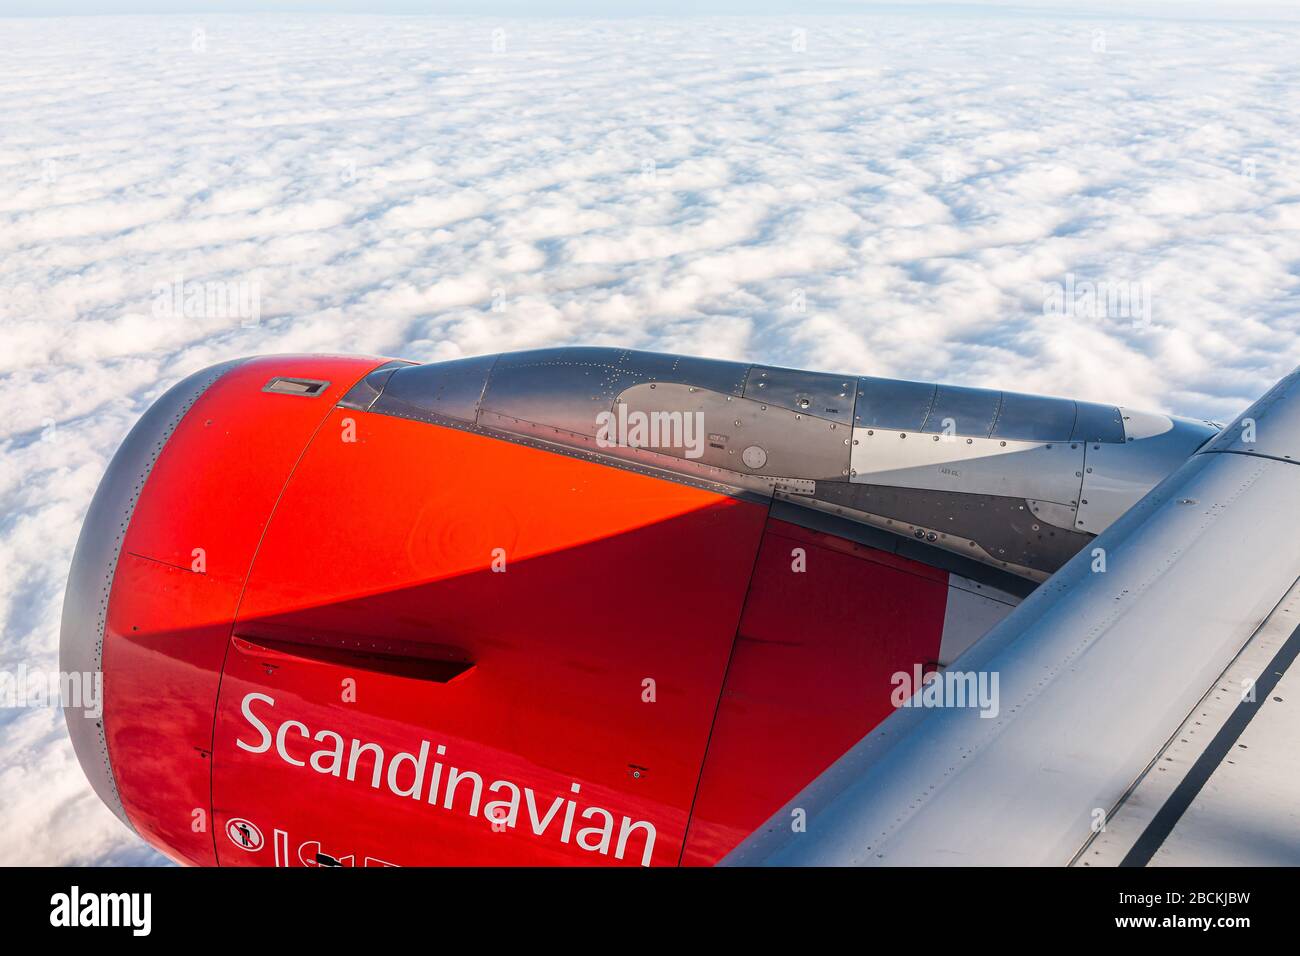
(892,196)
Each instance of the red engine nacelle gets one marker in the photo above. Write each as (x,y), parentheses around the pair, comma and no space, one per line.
(335,636)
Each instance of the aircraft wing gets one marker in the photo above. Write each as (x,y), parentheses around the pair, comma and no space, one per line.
(1146,695)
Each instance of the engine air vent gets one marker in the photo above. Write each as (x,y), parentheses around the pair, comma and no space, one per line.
(306,387)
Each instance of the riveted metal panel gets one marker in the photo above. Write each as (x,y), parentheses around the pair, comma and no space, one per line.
(1034,418)
(1006,529)
(1051,512)
(566,393)
(792,444)
(714,374)
(963,411)
(1048,471)
(1117,476)
(439,390)
(812,393)
(568,387)
(887,403)
(1097,423)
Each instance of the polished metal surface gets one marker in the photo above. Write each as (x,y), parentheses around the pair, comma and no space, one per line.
(1034,418)
(1114,476)
(441,390)
(963,411)
(1097,423)
(886,403)
(811,393)
(1045,471)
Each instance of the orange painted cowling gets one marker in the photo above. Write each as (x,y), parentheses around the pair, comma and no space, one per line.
(337,636)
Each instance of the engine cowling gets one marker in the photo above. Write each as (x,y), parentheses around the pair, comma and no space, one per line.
(562,606)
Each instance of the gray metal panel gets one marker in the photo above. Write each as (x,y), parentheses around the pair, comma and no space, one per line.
(967,617)
(812,393)
(963,411)
(447,389)
(1034,418)
(1093,422)
(1248,812)
(756,488)
(887,403)
(1116,476)
(551,390)
(714,374)
(567,387)
(1275,432)
(1006,528)
(94,562)
(1050,471)
(1254,790)
(363,394)
(792,444)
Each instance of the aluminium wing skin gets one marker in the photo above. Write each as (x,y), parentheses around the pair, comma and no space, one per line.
(1101,674)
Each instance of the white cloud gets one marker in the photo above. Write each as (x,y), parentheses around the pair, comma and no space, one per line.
(658,184)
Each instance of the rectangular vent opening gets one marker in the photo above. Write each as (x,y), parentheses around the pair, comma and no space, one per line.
(436,663)
(307,387)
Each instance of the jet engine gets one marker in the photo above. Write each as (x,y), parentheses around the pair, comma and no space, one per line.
(567,606)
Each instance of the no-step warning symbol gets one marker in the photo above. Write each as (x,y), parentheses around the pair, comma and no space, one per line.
(244,834)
